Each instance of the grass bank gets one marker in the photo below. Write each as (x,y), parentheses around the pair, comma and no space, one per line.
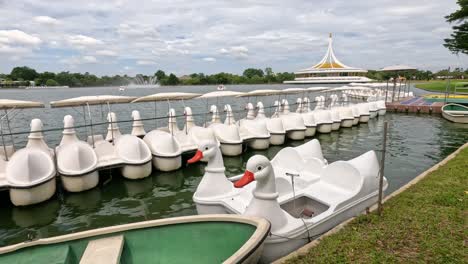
(438,86)
(426,223)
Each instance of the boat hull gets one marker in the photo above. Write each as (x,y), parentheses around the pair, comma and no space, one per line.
(259,143)
(33,195)
(356,121)
(167,163)
(373,114)
(382,112)
(231,149)
(275,248)
(336,126)
(364,118)
(80,183)
(207,208)
(455,119)
(134,172)
(296,134)
(347,122)
(310,131)
(324,128)
(277,139)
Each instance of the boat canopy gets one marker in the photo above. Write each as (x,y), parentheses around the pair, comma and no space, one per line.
(263,92)
(346,88)
(221,94)
(317,89)
(165,97)
(19,104)
(92,100)
(293,90)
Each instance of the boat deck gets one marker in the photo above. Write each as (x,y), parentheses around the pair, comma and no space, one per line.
(415,105)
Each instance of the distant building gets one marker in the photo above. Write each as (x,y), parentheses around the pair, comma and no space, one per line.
(330,70)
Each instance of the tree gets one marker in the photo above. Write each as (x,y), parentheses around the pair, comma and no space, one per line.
(51,82)
(23,73)
(161,75)
(251,72)
(459,38)
(172,80)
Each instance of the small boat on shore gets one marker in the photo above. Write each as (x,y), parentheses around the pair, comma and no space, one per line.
(207,239)
(456,113)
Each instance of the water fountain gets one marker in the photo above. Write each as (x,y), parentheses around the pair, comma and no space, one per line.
(139,81)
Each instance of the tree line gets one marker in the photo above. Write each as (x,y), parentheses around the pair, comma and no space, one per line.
(21,76)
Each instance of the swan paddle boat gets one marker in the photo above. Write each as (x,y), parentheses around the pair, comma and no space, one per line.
(274,126)
(255,133)
(138,128)
(303,108)
(456,113)
(364,112)
(227,134)
(30,172)
(127,152)
(77,162)
(212,239)
(382,108)
(345,189)
(210,200)
(197,133)
(293,123)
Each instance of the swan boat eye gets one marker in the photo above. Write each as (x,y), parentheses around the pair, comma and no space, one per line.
(259,168)
(206,148)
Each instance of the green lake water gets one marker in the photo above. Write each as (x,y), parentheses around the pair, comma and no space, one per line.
(415,143)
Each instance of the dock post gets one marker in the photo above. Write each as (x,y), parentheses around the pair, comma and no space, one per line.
(382,168)
(386,92)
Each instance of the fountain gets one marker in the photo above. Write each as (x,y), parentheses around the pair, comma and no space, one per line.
(141,82)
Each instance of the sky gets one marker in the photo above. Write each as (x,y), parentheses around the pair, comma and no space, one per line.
(129,37)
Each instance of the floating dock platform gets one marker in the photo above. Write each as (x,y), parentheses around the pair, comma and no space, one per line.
(415,105)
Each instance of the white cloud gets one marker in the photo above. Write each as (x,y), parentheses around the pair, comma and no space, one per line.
(109,53)
(209,59)
(18,37)
(81,41)
(46,20)
(78,60)
(235,51)
(145,62)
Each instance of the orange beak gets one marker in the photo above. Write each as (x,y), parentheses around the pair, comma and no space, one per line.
(246,179)
(197,157)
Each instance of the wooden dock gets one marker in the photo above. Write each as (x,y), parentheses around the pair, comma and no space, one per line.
(415,105)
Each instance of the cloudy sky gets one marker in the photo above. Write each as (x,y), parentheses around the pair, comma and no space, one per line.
(128,37)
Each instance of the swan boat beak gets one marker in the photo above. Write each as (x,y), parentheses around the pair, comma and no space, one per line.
(246,179)
(197,157)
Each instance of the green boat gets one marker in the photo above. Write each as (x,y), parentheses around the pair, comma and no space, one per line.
(455,113)
(190,239)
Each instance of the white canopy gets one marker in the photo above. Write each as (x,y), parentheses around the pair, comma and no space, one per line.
(92,100)
(312,89)
(165,97)
(263,92)
(347,88)
(19,104)
(221,94)
(293,90)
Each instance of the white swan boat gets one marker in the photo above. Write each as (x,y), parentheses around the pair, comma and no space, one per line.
(346,115)
(138,128)
(197,133)
(302,199)
(364,113)
(274,125)
(293,123)
(30,172)
(211,200)
(227,134)
(77,162)
(255,133)
(127,152)
(164,143)
(303,108)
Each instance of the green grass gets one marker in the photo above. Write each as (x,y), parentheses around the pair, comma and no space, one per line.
(427,223)
(438,86)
